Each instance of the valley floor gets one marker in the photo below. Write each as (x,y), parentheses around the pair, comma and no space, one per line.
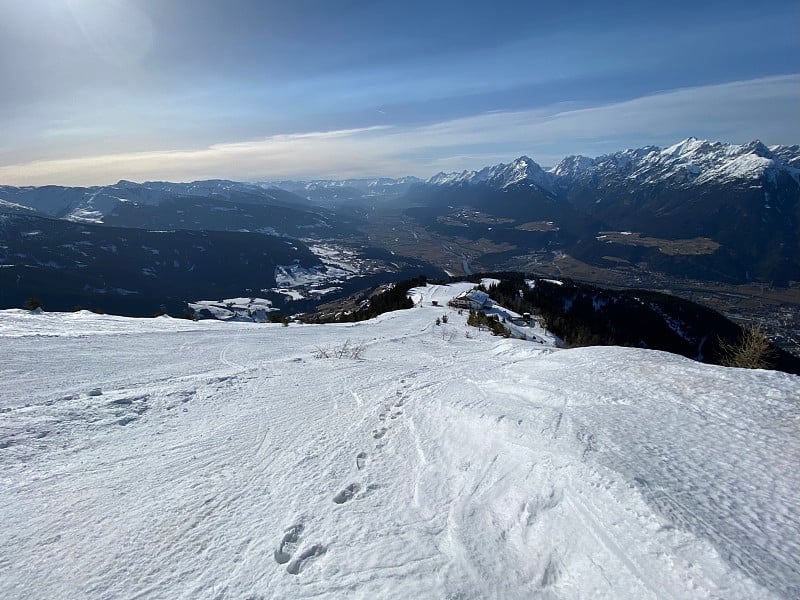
(161,458)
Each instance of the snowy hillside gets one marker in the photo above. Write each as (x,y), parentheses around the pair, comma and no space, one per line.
(164,458)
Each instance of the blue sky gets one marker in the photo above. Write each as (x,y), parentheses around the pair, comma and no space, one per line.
(98,90)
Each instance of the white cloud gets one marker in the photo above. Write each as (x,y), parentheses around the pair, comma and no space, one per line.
(740,111)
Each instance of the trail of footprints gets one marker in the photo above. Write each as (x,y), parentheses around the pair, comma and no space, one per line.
(286,552)
(391,412)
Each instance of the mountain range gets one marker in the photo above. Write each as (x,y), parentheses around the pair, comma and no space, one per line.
(740,203)
(709,211)
(689,162)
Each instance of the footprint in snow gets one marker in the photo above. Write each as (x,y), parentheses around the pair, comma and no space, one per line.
(552,571)
(306,556)
(379,433)
(548,500)
(361,460)
(347,493)
(284,551)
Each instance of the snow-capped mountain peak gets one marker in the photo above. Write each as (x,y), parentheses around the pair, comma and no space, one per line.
(519,171)
(572,166)
(689,146)
(702,161)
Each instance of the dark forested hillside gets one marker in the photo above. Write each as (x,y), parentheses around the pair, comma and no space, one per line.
(584,315)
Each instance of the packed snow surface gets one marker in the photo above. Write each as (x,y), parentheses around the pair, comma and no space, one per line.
(162,458)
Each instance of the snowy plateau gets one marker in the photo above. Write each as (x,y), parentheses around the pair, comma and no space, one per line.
(165,458)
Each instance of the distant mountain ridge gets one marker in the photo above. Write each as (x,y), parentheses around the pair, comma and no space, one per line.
(93,204)
(346,191)
(689,162)
(699,209)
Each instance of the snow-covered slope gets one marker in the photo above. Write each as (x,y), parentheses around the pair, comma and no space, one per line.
(12,207)
(788,154)
(169,459)
(88,205)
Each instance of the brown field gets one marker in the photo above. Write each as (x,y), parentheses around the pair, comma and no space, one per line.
(538,226)
(686,247)
(451,221)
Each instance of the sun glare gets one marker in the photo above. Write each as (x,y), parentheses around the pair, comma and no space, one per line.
(117,30)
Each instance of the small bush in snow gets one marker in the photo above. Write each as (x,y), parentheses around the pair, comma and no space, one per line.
(346,350)
(753,351)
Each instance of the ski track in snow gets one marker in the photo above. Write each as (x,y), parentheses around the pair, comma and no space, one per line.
(168,459)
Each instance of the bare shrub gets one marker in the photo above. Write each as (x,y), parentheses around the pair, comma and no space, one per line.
(752,351)
(448,334)
(357,351)
(346,350)
(342,351)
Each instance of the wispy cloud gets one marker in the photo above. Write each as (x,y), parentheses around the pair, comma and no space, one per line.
(764,108)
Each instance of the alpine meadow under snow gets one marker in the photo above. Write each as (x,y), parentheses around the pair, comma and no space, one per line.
(164,458)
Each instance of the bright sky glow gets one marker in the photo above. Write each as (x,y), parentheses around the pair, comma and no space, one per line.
(95,91)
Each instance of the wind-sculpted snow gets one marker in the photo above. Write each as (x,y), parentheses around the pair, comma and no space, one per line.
(160,458)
